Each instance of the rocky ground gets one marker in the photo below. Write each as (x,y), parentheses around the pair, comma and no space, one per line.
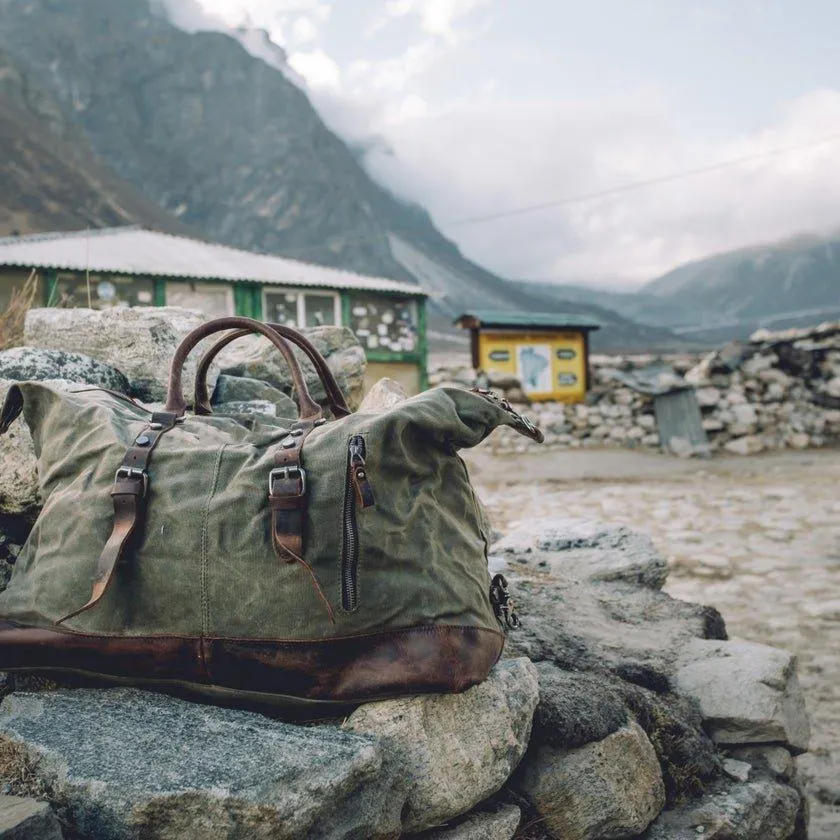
(759,539)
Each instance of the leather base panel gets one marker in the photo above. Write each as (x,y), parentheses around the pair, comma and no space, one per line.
(355,669)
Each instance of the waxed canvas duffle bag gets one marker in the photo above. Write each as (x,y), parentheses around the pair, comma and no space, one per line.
(306,561)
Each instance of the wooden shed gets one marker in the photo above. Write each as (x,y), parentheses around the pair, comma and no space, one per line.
(130,266)
(547,352)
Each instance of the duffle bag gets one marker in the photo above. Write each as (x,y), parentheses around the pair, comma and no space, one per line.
(307,561)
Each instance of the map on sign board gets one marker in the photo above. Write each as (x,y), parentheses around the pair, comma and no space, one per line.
(533,363)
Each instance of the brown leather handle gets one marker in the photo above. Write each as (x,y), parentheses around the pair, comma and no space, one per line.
(175,402)
(338,405)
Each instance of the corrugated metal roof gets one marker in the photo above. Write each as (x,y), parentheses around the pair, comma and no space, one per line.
(554,320)
(135,251)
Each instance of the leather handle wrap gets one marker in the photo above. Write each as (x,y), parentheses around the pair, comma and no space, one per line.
(175,402)
(338,405)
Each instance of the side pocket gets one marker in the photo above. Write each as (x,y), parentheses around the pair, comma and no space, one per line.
(358,493)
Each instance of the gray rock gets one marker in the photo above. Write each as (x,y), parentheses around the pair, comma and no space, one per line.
(20,494)
(455,750)
(608,789)
(745,414)
(776,762)
(161,768)
(140,341)
(576,709)
(758,810)
(738,770)
(243,389)
(707,397)
(27,819)
(30,363)
(748,693)
(499,825)
(748,445)
(587,550)
(632,632)
(385,394)
(255,357)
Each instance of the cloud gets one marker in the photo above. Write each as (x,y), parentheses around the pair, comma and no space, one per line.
(437,17)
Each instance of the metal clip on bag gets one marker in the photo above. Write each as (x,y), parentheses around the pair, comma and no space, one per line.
(312,563)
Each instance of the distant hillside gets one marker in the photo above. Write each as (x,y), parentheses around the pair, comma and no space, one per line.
(50,183)
(224,142)
(784,284)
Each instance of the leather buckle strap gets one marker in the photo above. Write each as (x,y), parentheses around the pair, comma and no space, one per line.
(129,495)
(287,475)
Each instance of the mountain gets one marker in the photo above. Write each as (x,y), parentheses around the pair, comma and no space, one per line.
(213,129)
(50,183)
(789,283)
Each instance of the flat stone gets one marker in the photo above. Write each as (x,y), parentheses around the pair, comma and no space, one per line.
(140,341)
(256,358)
(587,550)
(455,750)
(707,397)
(748,693)
(499,825)
(384,394)
(31,363)
(611,788)
(125,764)
(758,810)
(747,445)
(576,708)
(27,819)
(244,389)
(248,408)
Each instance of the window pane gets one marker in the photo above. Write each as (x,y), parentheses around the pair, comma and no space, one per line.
(105,291)
(213,299)
(320,310)
(383,323)
(281,308)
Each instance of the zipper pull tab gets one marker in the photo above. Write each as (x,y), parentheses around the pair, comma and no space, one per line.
(503,605)
(359,474)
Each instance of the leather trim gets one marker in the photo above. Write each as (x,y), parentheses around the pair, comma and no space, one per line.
(353,669)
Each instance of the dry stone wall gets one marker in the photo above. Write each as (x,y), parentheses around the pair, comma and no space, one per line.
(780,391)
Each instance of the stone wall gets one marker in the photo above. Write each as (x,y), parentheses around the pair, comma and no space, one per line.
(616,711)
(780,391)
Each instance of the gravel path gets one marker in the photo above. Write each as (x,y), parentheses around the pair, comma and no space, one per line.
(758,538)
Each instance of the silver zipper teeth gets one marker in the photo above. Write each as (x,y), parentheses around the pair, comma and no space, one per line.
(350,549)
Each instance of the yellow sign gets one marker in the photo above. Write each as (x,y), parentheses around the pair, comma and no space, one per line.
(550,366)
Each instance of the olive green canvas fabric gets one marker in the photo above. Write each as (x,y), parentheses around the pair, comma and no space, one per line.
(204,565)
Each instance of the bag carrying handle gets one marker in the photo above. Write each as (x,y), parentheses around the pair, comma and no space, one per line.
(338,405)
(175,402)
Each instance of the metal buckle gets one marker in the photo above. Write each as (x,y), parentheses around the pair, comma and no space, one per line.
(133,472)
(286,473)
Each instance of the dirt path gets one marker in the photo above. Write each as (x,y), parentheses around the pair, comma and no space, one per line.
(758,538)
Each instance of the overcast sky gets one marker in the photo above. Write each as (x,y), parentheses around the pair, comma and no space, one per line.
(490,105)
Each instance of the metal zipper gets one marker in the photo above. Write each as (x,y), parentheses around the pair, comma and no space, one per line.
(358,492)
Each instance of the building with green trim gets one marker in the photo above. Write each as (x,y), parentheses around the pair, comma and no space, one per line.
(130,266)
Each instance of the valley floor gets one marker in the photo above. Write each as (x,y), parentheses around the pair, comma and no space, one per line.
(758,538)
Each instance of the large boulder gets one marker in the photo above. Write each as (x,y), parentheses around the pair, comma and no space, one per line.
(122,764)
(748,693)
(140,341)
(455,750)
(607,789)
(257,358)
(384,394)
(31,363)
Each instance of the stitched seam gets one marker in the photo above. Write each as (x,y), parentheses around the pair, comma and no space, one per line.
(205,600)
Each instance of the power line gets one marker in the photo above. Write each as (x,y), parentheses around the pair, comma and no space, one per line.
(591,196)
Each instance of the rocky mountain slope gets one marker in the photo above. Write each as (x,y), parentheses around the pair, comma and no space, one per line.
(48,182)
(225,143)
